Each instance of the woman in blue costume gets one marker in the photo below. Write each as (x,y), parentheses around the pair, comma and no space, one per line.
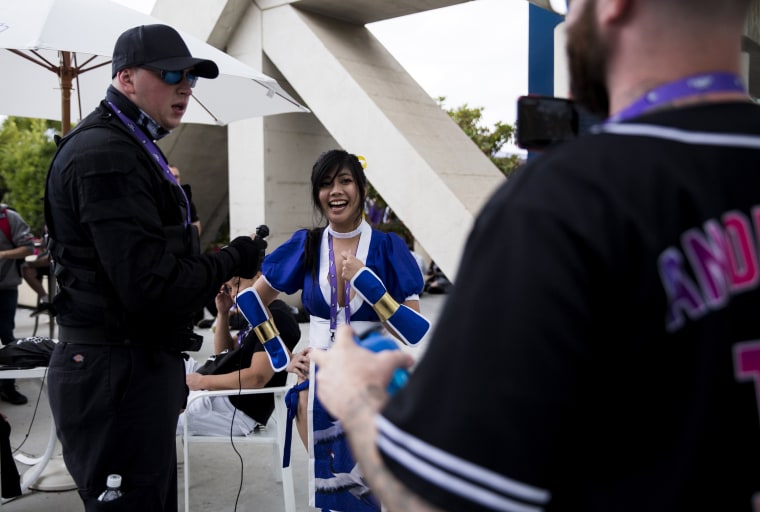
(321,262)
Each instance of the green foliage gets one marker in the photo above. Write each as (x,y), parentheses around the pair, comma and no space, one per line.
(26,149)
(488,141)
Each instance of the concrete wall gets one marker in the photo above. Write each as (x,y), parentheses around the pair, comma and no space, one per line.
(361,99)
(429,172)
(425,167)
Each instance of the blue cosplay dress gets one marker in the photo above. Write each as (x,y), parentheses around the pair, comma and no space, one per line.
(334,479)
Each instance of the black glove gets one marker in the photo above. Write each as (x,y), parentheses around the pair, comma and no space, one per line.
(248,255)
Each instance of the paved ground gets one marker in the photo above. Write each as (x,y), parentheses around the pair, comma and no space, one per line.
(216,471)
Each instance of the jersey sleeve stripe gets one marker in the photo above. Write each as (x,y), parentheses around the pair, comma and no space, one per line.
(684,136)
(456,475)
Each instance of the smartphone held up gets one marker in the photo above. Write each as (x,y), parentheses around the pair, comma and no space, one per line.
(544,121)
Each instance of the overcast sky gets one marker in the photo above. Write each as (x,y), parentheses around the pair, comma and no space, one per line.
(474,53)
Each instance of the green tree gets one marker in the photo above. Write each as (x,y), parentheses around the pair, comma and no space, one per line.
(489,141)
(26,149)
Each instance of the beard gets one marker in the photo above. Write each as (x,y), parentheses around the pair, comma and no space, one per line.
(587,63)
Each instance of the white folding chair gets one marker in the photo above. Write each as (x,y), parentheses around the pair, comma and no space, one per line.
(274,434)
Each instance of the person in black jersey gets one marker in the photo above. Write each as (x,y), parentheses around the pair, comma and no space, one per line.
(602,351)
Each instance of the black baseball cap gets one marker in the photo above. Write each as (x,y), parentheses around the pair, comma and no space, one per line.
(158,47)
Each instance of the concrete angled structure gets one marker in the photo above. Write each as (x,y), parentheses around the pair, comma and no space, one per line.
(361,99)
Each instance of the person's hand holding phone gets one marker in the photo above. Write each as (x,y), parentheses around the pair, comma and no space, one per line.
(224,300)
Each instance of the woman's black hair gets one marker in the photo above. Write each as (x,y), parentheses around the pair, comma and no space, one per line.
(330,162)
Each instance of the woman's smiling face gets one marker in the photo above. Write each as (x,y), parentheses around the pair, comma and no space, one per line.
(339,200)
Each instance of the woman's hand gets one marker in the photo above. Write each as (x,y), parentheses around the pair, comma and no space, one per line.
(350,265)
(299,364)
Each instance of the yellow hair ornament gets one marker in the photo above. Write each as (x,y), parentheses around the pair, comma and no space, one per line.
(362,161)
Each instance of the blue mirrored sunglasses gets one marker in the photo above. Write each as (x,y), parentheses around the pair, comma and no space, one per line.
(175,77)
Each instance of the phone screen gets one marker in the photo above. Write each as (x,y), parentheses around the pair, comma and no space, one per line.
(545,120)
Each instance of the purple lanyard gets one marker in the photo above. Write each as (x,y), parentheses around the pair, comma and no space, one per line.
(154,152)
(242,334)
(681,89)
(334,293)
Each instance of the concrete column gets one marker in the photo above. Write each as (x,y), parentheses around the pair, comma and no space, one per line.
(425,167)
(245,139)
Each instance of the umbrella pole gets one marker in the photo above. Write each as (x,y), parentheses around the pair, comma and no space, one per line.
(66,75)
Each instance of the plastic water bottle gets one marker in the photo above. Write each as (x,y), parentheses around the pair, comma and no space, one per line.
(113,489)
(376,342)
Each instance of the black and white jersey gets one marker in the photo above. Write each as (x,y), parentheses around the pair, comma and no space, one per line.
(601,349)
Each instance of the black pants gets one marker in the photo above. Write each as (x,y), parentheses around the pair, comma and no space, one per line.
(8,305)
(115,410)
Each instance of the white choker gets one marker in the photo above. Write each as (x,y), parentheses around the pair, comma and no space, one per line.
(350,234)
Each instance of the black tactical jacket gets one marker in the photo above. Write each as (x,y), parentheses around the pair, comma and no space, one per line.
(125,261)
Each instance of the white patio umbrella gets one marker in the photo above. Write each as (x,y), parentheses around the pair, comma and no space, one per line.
(55,59)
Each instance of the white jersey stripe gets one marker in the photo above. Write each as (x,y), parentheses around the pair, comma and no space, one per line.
(684,136)
(414,454)
(452,484)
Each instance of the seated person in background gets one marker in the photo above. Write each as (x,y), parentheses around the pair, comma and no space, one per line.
(436,282)
(33,272)
(238,363)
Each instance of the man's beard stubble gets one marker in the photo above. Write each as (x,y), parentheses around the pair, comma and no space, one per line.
(587,63)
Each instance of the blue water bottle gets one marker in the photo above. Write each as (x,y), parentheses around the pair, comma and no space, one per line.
(376,342)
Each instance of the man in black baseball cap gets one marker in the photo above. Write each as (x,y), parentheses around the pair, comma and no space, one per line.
(157,47)
(127,254)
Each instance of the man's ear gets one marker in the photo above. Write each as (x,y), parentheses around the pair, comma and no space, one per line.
(126,78)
